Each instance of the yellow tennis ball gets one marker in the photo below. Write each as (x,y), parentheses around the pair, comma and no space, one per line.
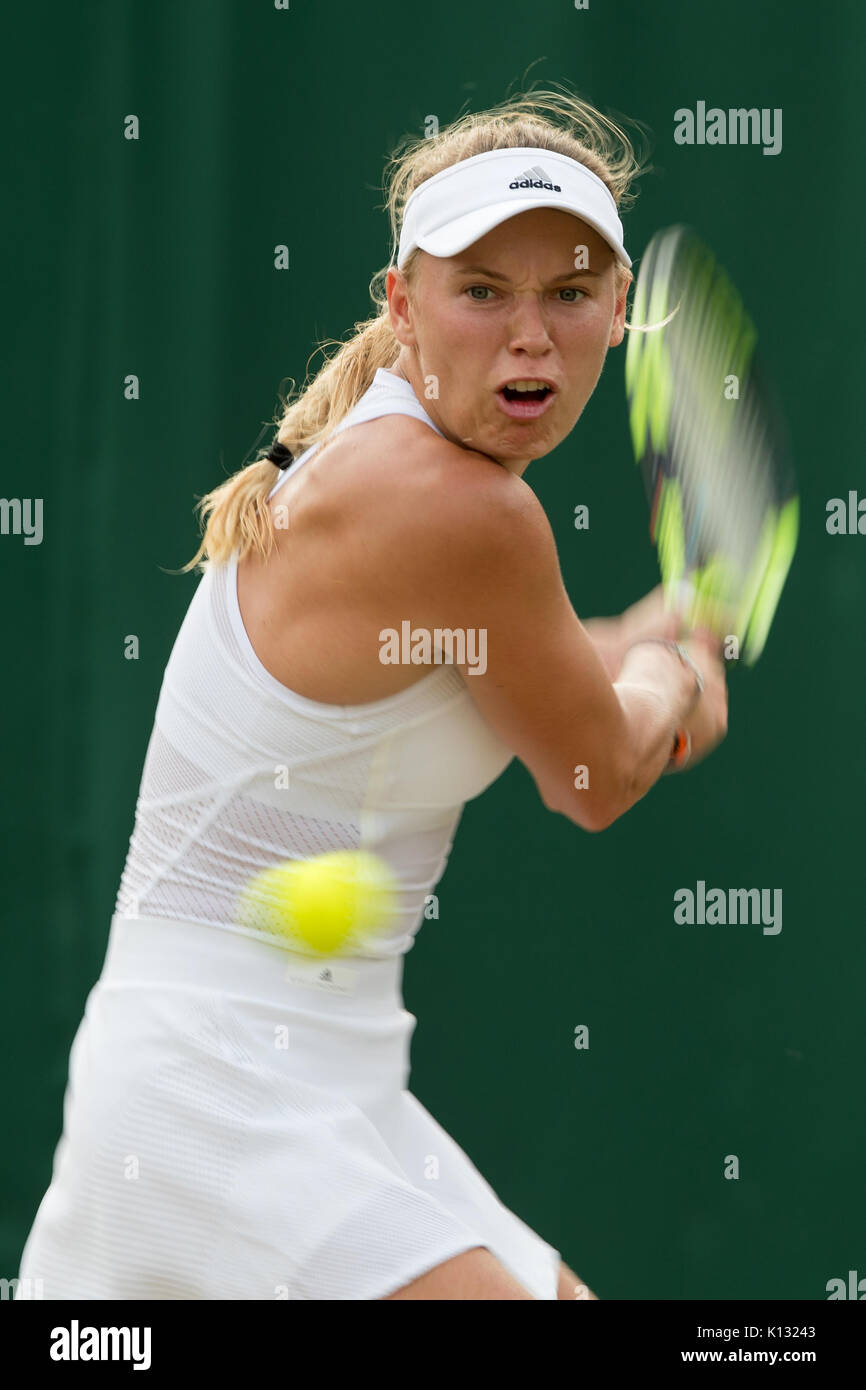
(324,902)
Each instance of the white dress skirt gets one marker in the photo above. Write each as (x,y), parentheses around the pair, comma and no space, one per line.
(237,1125)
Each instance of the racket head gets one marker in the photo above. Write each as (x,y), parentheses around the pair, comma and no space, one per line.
(710,439)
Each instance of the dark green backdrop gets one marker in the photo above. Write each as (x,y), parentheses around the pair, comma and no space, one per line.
(155,257)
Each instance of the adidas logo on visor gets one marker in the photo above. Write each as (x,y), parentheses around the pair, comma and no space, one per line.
(536,178)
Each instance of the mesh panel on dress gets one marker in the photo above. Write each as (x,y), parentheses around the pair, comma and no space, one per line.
(194,847)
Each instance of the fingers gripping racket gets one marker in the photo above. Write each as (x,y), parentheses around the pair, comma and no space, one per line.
(709,439)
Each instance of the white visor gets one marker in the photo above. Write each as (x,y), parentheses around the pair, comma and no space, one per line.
(454,208)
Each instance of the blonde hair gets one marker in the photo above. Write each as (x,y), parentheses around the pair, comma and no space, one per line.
(236,512)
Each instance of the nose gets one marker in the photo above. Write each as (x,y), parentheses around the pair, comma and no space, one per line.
(528,326)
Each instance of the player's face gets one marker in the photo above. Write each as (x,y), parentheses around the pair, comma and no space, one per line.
(512,307)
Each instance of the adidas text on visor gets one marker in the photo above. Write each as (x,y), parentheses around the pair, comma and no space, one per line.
(454,208)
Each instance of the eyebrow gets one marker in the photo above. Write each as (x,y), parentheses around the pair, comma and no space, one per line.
(495,275)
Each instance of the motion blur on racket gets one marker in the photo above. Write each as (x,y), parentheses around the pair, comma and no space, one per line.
(710,439)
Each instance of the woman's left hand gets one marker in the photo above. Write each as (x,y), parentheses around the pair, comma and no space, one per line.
(650,618)
(646,618)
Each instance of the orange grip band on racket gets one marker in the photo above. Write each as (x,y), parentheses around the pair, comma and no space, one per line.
(681,749)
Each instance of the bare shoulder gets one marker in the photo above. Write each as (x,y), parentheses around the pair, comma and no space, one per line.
(446,506)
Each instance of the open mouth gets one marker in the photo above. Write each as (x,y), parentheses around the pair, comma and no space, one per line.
(511,393)
(526,404)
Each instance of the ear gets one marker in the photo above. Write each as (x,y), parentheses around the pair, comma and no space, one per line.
(617,329)
(399,307)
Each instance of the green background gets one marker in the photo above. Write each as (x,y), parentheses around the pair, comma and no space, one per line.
(156,257)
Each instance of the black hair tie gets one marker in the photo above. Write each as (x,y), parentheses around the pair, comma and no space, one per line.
(280,455)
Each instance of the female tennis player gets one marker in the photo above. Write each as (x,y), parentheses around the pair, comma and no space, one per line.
(237,1122)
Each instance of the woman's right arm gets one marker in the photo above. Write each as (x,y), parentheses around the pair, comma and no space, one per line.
(544,688)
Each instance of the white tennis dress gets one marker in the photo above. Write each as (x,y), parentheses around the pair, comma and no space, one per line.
(237,1122)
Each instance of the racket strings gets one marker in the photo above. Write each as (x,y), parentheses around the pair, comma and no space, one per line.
(710,447)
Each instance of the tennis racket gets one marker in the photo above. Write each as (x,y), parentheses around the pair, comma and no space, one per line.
(710,440)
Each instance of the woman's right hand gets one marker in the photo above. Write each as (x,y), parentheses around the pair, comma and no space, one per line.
(707,724)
